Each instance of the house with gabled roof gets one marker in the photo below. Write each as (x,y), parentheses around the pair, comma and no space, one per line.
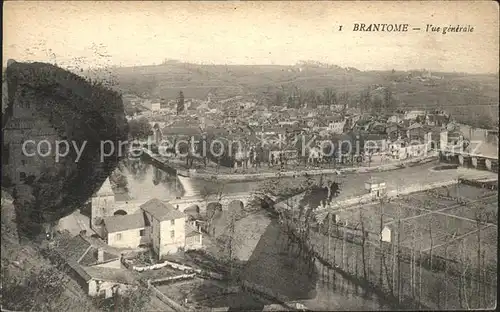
(158,225)
(97,269)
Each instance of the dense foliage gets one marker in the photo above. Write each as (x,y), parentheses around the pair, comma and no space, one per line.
(139,128)
(80,111)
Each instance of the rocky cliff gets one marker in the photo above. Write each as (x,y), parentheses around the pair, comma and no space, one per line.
(81,112)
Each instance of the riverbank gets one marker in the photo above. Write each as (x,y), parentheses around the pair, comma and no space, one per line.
(237,177)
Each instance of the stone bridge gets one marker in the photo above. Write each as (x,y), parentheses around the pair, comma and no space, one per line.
(469,160)
(202,203)
(133,206)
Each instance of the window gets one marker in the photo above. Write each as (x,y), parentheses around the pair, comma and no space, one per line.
(22,176)
(23,162)
(172,222)
(118,236)
(172,234)
(142,232)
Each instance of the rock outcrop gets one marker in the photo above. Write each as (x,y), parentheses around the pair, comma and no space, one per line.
(82,113)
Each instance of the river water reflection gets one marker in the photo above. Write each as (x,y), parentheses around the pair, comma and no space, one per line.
(146,181)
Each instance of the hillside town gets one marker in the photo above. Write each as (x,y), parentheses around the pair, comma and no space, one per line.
(215,184)
(277,136)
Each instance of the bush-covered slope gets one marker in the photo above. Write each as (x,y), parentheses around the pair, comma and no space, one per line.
(79,111)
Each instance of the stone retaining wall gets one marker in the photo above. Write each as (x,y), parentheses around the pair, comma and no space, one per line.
(171,303)
(267,175)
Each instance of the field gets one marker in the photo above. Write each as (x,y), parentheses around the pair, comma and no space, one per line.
(427,219)
(460,94)
(430,220)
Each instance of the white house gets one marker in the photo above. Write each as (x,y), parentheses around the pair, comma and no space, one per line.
(127,231)
(376,187)
(97,269)
(156,106)
(386,234)
(411,115)
(107,282)
(337,127)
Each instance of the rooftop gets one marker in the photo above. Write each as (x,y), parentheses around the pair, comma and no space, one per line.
(161,211)
(105,189)
(90,258)
(71,248)
(123,223)
(112,275)
(122,197)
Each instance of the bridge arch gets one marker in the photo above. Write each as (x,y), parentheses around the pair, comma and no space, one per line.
(193,212)
(236,206)
(212,208)
(488,164)
(120,212)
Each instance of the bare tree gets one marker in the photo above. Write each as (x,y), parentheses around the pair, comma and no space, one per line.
(381,228)
(432,244)
(445,277)
(363,243)
(420,270)
(413,265)
(478,224)
(209,193)
(463,287)
(399,252)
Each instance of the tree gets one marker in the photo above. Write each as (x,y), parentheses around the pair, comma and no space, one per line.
(389,102)
(279,98)
(344,101)
(363,243)
(208,193)
(180,103)
(290,102)
(94,114)
(329,97)
(41,289)
(365,100)
(118,180)
(377,105)
(139,128)
(432,244)
(311,98)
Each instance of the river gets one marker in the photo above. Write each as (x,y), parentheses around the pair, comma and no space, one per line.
(269,264)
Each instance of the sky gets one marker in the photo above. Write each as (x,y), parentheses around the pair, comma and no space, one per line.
(83,34)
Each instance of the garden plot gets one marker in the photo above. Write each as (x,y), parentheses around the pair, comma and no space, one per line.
(370,215)
(195,291)
(441,227)
(467,247)
(461,190)
(490,211)
(425,200)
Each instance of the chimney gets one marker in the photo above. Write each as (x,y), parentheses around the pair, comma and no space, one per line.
(100,255)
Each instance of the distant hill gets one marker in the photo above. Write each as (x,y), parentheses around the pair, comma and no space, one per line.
(458,93)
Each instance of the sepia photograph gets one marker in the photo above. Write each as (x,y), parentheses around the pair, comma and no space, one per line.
(249,156)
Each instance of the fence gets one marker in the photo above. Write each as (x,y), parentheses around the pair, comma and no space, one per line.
(439,263)
(173,278)
(269,293)
(174,305)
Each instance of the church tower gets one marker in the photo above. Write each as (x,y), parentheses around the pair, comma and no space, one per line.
(103,203)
